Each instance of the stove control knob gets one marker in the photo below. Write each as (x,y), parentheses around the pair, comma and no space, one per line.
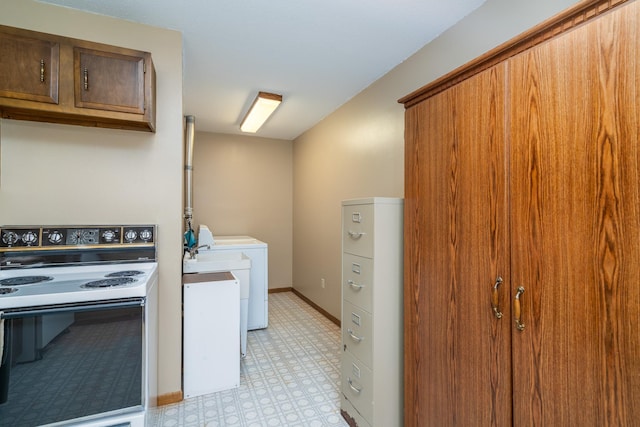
(9,238)
(130,235)
(109,236)
(55,237)
(30,238)
(146,235)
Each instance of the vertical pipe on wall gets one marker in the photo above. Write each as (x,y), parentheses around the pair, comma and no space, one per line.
(188,171)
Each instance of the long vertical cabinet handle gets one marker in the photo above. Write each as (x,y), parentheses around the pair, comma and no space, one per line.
(494,298)
(42,71)
(517,312)
(86,79)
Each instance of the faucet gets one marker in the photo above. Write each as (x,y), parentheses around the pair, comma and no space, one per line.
(193,251)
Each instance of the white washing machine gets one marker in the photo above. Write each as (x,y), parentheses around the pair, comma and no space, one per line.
(258,252)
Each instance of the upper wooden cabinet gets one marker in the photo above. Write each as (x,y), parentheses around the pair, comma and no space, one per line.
(56,79)
(29,69)
(109,81)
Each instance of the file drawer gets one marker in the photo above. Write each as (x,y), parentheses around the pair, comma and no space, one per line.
(357,226)
(357,280)
(357,385)
(356,331)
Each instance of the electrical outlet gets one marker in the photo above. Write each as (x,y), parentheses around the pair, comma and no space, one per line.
(322,283)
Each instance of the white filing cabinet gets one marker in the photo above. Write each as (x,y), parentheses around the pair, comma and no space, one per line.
(372,312)
(211,340)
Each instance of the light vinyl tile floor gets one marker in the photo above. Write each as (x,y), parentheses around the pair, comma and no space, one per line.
(290,377)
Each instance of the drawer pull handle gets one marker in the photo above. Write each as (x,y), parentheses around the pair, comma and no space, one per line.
(355,234)
(42,71)
(354,337)
(354,285)
(353,387)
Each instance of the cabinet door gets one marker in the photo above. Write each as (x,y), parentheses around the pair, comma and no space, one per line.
(575,192)
(457,354)
(29,68)
(109,81)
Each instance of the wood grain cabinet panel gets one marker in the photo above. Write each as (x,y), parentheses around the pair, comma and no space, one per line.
(44,77)
(29,68)
(457,357)
(524,165)
(575,216)
(109,81)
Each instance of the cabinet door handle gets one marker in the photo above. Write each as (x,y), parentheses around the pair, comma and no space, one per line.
(354,285)
(354,337)
(355,234)
(42,71)
(517,313)
(353,387)
(86,79)
(494,298)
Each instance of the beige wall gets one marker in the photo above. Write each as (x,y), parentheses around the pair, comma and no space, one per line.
(60,174)
(242,185)
(358,150)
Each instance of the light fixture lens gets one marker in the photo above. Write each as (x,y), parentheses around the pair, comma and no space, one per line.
(263,106)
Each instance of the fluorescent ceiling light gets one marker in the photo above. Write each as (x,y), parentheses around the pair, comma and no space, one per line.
(263,106)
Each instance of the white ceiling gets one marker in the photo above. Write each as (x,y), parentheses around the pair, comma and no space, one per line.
(316,54)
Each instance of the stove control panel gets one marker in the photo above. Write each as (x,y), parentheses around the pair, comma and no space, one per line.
(19,237)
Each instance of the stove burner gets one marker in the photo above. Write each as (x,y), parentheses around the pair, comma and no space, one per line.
(126,273)
(109,283)
(5,291)
(24,280)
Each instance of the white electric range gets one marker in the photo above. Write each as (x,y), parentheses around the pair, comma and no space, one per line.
(78,318)
(38,286)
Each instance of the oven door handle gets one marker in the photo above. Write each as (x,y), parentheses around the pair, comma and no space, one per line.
(77,307)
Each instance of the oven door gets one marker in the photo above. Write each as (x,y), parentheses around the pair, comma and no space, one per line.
(93,368)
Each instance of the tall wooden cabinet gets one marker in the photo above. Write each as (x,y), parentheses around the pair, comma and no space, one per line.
(372,312)
(522,230)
